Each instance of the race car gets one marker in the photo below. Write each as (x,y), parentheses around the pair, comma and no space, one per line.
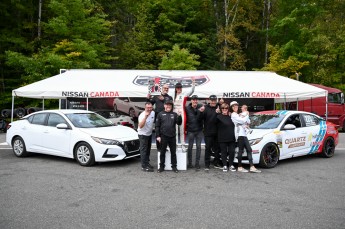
(277,135)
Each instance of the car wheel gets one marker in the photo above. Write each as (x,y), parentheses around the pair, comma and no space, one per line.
(328,148)
(19,148)
(269,156)
(84,155)
(131,113)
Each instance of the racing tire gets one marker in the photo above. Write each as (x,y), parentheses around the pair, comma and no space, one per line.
(328,148)
(84,154)
(20,112)
(6,113)
(269,156)
(19,148)
(33,109)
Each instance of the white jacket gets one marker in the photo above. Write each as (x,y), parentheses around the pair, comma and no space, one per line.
(241,124)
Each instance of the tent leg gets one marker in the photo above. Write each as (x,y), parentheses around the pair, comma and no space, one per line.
(12,109)
(43,104)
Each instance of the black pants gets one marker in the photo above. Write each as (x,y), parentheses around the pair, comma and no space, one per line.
(171,142)
(244,143)
(145,149)
(211,143)
(227,148)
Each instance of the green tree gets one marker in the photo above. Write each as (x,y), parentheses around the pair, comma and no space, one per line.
(179,59)
(75,36)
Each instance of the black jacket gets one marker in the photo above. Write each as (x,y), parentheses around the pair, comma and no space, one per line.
(210,120)
(159,103)
(194,118)
(166,124)
(226,128)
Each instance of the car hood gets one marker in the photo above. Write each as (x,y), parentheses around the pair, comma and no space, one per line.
(258,133)
(112,132)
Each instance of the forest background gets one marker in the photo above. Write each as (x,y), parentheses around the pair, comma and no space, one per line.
(300,39)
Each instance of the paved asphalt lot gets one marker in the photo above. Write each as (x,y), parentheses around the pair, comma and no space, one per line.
(50,192)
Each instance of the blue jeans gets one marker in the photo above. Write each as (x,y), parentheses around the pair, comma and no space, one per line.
(145,149)
(198,138)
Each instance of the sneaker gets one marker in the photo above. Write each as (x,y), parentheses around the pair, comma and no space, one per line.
(225,169)
(190,166)
(207,168)
(197,167)
(254,170)
(232,169)
(150,166)
(241,170)
(184,149)
(175,169)
(147,169)
(160,170)
(218,166)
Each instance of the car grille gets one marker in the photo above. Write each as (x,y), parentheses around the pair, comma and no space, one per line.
(132,146)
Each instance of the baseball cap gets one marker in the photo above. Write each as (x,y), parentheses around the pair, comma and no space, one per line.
(178,85)
(194,97)
(213,97)
(168,102)
(233,103)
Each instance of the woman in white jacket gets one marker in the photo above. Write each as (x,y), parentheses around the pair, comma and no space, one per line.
(180,99)
(242,122)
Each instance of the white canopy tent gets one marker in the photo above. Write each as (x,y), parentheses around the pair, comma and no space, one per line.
(134,83)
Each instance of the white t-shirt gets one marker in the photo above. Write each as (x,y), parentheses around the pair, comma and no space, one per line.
(147,128)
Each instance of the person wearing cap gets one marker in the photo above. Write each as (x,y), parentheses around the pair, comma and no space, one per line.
(210,132)
(166,122)
(158,101)
(226,137)
(180,99)
(194,130)
(240,122)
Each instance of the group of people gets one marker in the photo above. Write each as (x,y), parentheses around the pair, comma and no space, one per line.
(220,124)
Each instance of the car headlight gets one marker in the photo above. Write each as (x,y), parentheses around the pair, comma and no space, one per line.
(107,141)
(255,141)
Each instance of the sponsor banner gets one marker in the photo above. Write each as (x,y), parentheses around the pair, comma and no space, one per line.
(251,95)
(92,94)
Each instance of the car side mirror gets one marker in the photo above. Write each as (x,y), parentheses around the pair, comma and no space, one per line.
(289,127)
(62,126)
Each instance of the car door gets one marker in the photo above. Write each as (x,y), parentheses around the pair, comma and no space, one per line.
(316,132)
(294,142)
(34,132)
(56,141)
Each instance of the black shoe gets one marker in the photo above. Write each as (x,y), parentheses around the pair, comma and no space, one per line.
(218,166)
(197,167)
(150,166)
(190,166)
(147,169)
(175,170)
(160,170)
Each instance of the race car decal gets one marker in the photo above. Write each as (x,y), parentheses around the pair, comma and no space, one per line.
(319,137)
(282,112)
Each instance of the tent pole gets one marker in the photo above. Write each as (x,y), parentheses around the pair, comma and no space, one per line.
(284,101)
(87,103)
(297,105)
(59,104)
(43,104)
(12,109)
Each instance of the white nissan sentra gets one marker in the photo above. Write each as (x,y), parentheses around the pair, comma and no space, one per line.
(78,134)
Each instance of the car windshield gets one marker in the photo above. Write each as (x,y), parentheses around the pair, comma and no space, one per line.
(88,120)
(265,121)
